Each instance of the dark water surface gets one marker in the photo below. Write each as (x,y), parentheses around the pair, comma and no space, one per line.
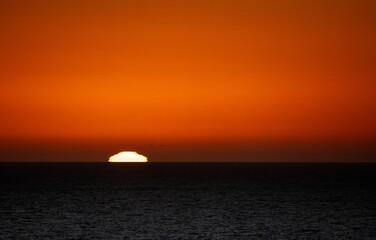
(187,201)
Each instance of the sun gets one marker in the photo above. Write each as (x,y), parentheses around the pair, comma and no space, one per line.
(128,156)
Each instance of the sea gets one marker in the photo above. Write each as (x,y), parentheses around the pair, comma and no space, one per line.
(187,201)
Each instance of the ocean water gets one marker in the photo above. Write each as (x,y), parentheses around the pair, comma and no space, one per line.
(187,201)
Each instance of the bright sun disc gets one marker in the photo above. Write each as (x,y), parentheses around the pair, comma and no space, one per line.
(128,157)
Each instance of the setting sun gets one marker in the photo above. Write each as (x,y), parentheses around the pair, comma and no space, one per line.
(128,157)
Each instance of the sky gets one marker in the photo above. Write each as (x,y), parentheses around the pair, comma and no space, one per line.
(188,80)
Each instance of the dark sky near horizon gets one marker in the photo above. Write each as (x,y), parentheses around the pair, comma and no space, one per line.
(200,80)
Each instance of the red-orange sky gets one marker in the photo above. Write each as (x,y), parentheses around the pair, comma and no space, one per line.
(187,71)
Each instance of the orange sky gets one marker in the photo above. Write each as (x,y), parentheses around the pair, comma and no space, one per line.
(188,69)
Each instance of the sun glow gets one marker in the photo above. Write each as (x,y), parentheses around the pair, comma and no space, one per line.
(128,156)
